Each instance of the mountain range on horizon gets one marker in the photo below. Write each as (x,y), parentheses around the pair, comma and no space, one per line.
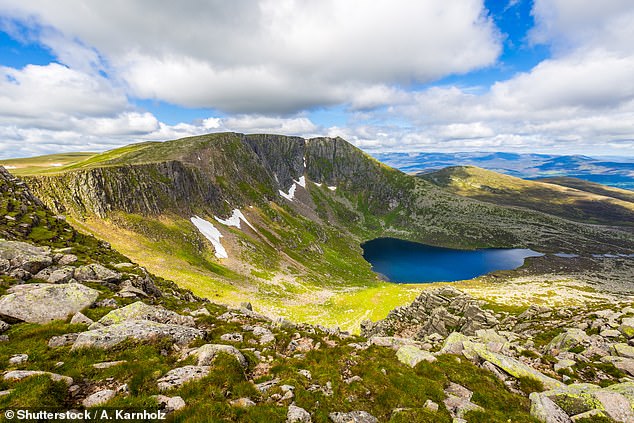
(612,171)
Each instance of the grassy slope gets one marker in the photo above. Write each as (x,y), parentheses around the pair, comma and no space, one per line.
(43,164)
(569,203)
(593,187)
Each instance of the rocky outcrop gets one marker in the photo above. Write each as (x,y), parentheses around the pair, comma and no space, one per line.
(572,402)
(207,353)
(141,311)
(44,303)
(23,374)
(181,375)
(139,330)
(439,311)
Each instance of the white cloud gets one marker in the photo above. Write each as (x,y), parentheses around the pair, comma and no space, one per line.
(268,56)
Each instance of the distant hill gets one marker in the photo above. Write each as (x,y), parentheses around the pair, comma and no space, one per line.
(577,200)
(613,172)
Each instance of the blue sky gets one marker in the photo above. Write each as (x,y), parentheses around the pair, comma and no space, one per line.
(549,76)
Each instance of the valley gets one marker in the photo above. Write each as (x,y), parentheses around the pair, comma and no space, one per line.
(309,205)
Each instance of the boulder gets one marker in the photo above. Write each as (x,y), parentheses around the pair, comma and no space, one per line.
(18,359)
(567,340)
(80,318)
(353,417)
(47,302)
(393,342)
(623,350)
(23,374)
(616,406)
(175,404)
(62,340)
(96,272)
(181,375)
(410,355)
(56,275)
(208,352)
(140,330)
(99,398)
(297,415)
(627,327)
(141,311)
(454,343)
(27,257)
(514,367)
(546,411)
(242,403)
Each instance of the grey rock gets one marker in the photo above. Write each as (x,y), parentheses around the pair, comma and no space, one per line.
(141,311)
(96,272)
(80,318)
(567,340)
(108,364)
(265,386)
(546,411)
(4,326)
(232,337)
(23,374)
(175,404)
(181,375)
(297,415)
(18,359)
(208,352)
(27,257)
(67,259)
(47,303)
(62,340)
(242,403)
(201,312)
(99,398)
(353,417)
(140,330)
(410,355)
(434,311)
(56,275)
(616,406)
(431,406)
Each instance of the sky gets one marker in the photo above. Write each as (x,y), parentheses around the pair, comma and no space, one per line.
(544,76)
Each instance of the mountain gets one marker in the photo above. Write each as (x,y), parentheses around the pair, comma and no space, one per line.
(83,326)
(585,202)
(280,220)
(616,172)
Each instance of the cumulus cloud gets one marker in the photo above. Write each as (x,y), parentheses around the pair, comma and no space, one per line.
(270,56)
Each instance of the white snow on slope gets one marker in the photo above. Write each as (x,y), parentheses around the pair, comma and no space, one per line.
(291,193)
(301,182)
(210,232)
(235,219)
(332,188)
(317,183)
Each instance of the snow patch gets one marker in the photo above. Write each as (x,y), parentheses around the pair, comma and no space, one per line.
(235,219)
(304,162)
(291,193)
(210,232)
(57,165)
(10,167)
(318,184)
(301,182)
(332,188)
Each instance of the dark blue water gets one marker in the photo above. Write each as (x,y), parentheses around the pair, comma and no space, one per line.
(405,261)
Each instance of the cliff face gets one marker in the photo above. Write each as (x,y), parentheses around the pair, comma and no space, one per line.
(213,174)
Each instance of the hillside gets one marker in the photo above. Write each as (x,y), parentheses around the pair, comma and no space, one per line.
(86,329)
(584,202)
(291,215)
(582,185)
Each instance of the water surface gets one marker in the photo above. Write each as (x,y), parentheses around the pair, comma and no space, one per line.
(405,261)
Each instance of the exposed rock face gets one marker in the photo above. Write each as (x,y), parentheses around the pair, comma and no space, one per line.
(440,311)
(45,303)
(297,415)
(96,272)
(140,330)
(142,311)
